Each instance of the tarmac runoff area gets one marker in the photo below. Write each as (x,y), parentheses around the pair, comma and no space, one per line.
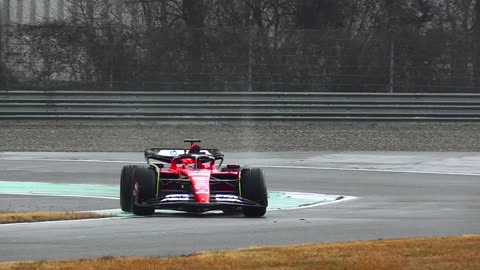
(399,194)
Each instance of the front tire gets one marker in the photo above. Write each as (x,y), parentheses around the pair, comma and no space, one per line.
(144,178)
(126,187)
(253,188)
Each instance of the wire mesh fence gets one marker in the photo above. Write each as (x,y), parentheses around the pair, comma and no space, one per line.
(65,55)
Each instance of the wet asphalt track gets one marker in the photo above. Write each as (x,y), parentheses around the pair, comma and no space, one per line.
(389,205)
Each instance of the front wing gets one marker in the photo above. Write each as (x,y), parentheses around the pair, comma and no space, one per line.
(187,202)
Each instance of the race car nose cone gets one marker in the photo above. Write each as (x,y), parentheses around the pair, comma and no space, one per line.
(202,197)
(201,185)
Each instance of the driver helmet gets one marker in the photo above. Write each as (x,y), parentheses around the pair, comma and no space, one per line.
(195,149)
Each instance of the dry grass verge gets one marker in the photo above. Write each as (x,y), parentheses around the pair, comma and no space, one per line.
(449,253)
(20,217)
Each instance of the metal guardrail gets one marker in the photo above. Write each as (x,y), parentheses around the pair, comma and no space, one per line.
(124,105)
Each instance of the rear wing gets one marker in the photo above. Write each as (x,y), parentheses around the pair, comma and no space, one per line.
(166,154)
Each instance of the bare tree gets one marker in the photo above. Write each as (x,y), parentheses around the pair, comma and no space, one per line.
(301,45)
(476,46)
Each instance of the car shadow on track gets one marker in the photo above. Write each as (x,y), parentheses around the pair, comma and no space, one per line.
(195,215)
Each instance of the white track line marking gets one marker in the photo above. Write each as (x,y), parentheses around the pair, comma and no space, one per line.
(75,160)
(58,221)
(57,195)
(285,193)
(369,170)
(262,166)
(346,198)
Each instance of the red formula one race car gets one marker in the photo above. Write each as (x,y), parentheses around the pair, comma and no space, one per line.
(191,180)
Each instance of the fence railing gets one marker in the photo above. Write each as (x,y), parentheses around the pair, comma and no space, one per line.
(173,106)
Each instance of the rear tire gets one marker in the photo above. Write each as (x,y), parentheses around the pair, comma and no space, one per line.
(126,187)
(253,188)
(145,178)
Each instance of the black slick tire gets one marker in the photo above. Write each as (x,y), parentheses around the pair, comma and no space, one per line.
(145,178)
(126,187)
(252,184)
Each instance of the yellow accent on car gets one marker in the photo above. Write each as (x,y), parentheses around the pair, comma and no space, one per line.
(158,178)
(239,182)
